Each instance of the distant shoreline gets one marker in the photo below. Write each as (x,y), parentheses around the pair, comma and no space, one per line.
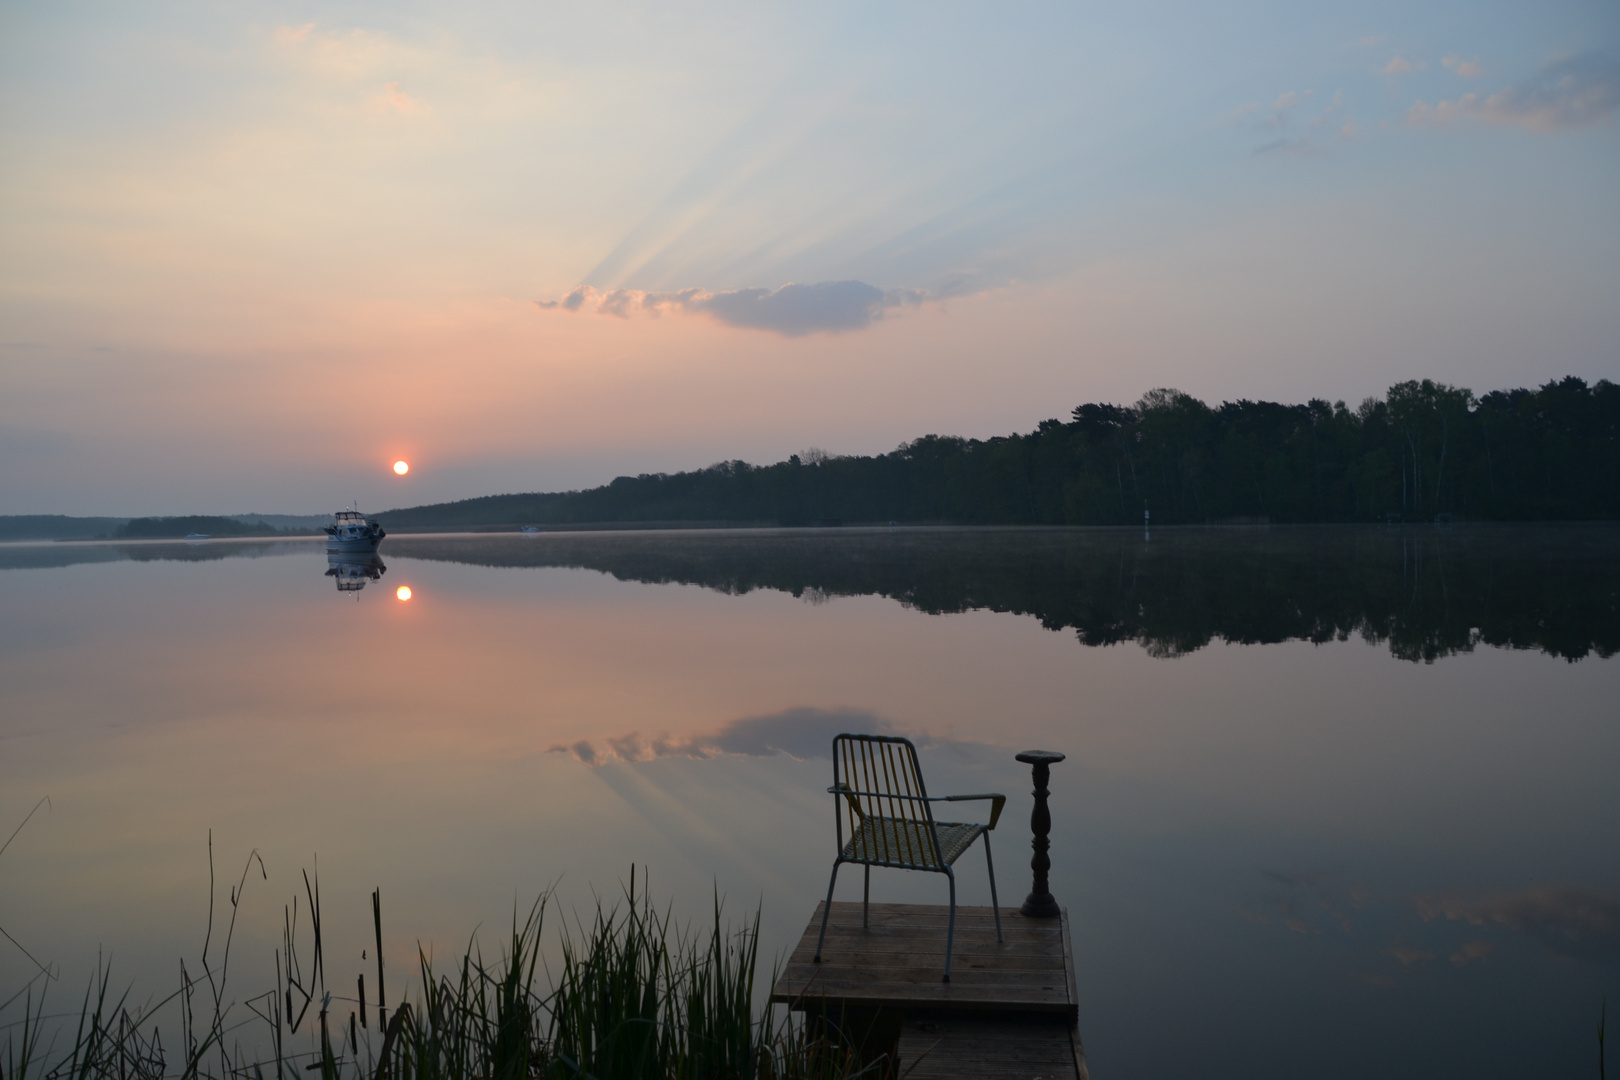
(23,527)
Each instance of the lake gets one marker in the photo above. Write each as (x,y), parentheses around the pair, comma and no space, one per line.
(1338,801)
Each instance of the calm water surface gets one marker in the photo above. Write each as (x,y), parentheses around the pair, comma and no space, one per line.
(1338,801)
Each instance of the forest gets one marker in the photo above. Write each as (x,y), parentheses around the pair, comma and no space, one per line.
(168,528)
(1425,451)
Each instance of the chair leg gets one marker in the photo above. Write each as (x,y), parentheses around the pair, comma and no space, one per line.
(950,927)
(826,911)
(995,905)
(866,899)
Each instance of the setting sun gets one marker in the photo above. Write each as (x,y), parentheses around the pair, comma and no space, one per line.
(403,592)
(402,467)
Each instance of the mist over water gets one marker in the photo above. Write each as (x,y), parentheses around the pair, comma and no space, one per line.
(1337,801)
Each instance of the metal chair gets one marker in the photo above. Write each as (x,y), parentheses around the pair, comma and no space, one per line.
(878,791)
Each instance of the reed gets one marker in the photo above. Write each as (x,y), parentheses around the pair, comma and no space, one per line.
(634,997)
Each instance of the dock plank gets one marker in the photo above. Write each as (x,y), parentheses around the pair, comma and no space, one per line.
(897,962)
(943,1046)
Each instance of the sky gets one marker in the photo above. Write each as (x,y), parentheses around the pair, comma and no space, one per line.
(252,254)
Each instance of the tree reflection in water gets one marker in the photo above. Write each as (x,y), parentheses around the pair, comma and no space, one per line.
(1429,592)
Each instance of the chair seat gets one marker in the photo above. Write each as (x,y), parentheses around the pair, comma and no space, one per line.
(904,842)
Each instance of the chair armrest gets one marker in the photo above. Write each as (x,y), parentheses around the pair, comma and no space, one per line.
(996,803)
(849,797)
(840,789)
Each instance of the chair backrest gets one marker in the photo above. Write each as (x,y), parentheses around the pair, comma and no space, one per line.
(881,786)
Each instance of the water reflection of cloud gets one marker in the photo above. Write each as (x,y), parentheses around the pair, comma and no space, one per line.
(1301,899)
(1582,923)
(1576,922)
(803,733)
(1471,951)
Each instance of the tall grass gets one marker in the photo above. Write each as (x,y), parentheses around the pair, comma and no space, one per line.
(634,997)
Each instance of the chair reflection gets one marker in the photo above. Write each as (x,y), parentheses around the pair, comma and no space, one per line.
(352,570)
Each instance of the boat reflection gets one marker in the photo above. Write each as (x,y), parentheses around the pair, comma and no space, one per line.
(353,570)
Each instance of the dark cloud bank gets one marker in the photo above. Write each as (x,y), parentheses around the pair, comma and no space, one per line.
(794,310)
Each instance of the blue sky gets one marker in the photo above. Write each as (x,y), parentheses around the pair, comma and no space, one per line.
(251,253)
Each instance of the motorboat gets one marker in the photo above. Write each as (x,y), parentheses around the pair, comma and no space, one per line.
(351,532)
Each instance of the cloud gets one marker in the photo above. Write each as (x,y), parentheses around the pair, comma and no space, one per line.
(1332,122)
(1568,93)
(357,59)
(363,72)
(569,302)
(1467,69)
(618,302)
(803,733)
(1282,106)
(799,309)
(398,102)
(1442,113)
(1399,65)
(794,310)
(1300,146)
(1575,921)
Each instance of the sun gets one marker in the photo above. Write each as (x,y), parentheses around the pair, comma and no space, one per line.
(402,467)
(403,592)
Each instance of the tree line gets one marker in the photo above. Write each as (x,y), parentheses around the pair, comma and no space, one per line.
(1424,451)
(168,528)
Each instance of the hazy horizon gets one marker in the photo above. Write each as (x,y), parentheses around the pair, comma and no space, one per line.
(254,254)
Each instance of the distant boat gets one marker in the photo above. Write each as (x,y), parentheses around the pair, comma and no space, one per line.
(198,536)
(529,530)
(350,531)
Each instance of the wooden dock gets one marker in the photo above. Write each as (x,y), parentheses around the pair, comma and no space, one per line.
(1009,1011)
